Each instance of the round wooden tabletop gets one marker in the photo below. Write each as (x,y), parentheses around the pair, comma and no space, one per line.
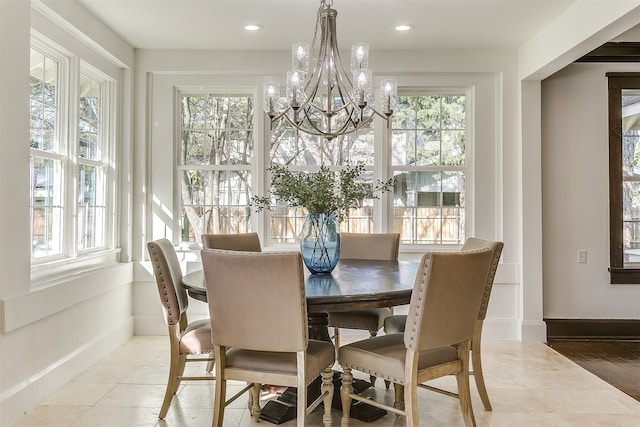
(353,285)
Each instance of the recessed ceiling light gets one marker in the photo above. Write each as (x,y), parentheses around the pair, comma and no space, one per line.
(253,27)
(404,27)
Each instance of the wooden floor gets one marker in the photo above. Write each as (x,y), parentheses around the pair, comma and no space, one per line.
(616,362)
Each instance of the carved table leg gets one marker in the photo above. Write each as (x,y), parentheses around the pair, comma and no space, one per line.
(318,326)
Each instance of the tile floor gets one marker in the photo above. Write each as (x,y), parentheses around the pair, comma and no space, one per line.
(529,385)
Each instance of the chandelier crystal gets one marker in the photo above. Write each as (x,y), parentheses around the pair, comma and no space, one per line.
(324,100)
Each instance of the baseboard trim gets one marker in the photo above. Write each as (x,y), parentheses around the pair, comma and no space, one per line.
(593,329)
(22,398)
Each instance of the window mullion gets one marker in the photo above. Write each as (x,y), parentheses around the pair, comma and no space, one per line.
(71,171)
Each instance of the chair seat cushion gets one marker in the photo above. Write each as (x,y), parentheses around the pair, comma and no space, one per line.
(394,324)
(370,320)
(320,354)
(384,357)
(196,338)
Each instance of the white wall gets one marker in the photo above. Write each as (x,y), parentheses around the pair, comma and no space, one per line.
(575,188)
(50,333)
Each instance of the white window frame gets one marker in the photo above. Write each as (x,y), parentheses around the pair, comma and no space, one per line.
(383,209)
(467,168)
(251,169)
(48,269)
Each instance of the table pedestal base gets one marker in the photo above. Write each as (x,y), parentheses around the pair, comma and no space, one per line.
(283,409)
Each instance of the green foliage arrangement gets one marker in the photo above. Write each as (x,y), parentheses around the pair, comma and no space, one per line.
(324,192)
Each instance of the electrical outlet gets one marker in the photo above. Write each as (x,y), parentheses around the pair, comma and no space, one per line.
(582,257)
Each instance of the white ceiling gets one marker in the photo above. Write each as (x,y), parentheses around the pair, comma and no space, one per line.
(218,24)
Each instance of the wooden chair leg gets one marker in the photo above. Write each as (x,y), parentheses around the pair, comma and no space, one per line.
(219,399)
(410,403)
(327,387)
(176,369)
(254,401)
(398,389)
(345,391)
(210,363)
(478,373)
(464,395)
(372,378)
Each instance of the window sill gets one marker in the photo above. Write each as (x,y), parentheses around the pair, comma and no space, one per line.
(624,276)
(49,273)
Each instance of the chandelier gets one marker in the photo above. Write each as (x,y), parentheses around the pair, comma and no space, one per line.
(324,100)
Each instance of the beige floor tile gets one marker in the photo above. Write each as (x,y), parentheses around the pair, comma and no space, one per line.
(107,416)
(573,401)
(52,416)
(524,419)
(529,385)
(79,394)
(105,374)
(134,396)
(604,420)
(179,417)
(149,375)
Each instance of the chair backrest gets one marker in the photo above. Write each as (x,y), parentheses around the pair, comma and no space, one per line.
(249,242)
(496,250)
(377,246)
(256,299)
(446,298)
(166,268)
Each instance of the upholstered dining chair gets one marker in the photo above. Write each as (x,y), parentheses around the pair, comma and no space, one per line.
(185,339)
(374,246)
(396,323)
(249,242)
(444,307)
(258,314)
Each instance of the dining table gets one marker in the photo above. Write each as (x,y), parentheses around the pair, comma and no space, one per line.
(352,285)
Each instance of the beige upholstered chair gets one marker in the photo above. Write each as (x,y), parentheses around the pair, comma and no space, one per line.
(444,307)
(383,246)
(249,242)
(185,338)
(396,323)
(259,321)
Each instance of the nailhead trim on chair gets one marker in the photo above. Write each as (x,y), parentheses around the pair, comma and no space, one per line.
(487,292)
(160,276)
(376,374)
(421,289)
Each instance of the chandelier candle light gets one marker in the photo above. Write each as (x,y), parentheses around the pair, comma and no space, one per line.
(328,102)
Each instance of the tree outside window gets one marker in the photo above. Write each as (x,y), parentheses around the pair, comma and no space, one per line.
(428,157)
(216,160)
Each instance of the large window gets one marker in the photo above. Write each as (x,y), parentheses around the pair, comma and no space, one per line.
(216,159)
(424,148)
(428,160)
(91,209)
(624,176)
(48,154)
(71,142)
